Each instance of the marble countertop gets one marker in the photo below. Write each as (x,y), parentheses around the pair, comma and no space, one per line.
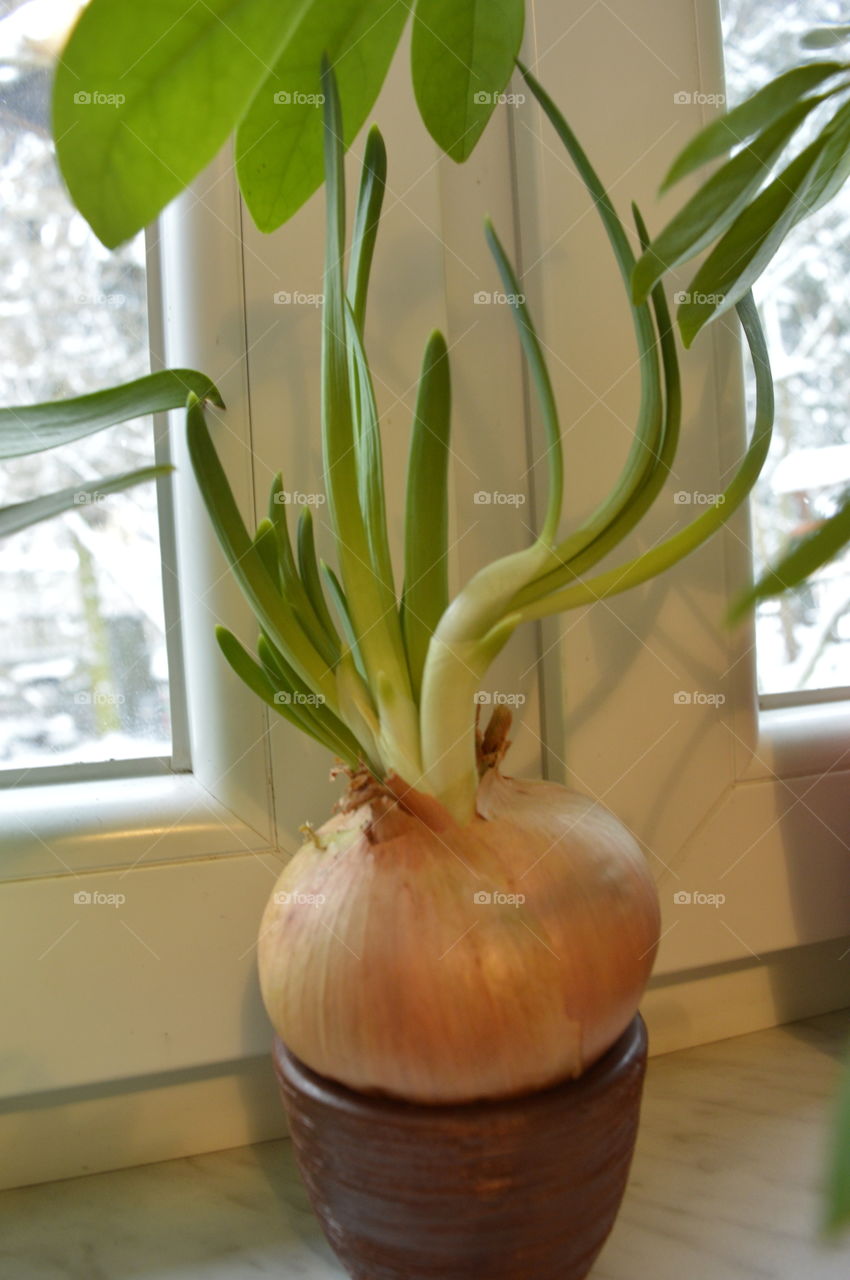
(724,1186)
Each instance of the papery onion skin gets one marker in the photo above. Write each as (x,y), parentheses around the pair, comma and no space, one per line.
(383,971)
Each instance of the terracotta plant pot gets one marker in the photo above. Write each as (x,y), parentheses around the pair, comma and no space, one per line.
(522,1189)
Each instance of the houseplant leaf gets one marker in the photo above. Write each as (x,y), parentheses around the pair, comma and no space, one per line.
(751,117)
(743,252)
(462,57)
(807,555)
(21,515)
(718,202)
(279,143)
(30,428)
(146,94)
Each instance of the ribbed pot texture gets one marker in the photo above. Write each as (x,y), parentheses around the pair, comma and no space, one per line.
(525,1188)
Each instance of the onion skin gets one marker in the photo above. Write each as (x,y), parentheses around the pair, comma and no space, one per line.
(383,972)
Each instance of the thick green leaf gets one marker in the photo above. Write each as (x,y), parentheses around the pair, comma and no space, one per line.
(262,593)
(21,515)
(285,574)
(344,615)
(369,454)
(371,602)
(279,142)
(741,255)
(751,117)
(542,383)
(308,568)
(662,557)
(718,201)
(426,578)
(825,37)
(644,452)
(631,515)
(30,428)
(370,198)
(803,559)
(462,57)
(146,94)
(297,702)
(833,167)
(838,1172)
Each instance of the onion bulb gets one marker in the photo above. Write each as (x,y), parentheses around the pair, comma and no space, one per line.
(403,954)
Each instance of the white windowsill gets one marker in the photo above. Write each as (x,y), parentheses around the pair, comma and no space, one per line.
(71,828)
(724,1186)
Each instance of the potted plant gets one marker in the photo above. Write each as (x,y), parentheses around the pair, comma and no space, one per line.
(452,962)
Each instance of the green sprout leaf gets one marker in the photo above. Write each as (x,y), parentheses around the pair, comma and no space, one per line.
(30,428)
(426,576)
(21,515)
(462,57)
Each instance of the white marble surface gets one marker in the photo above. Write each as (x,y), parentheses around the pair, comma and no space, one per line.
(724,1187)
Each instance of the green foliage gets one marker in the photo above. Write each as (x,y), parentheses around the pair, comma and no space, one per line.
(146,94)
(462,58)
(27,429)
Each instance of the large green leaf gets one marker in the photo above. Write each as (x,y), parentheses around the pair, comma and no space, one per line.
(462,57)
(718,202)
(838,1174)
(30,428)
(751,117)
(279,142)
(21,515)
(741,255)
(147,93)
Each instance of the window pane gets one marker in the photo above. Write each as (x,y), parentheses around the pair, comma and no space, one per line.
(83,672)
(803,638)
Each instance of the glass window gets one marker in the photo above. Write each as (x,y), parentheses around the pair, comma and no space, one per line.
(83,668)
(803,638)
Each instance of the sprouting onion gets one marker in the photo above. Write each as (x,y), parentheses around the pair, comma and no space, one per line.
(450,933)
(393,674)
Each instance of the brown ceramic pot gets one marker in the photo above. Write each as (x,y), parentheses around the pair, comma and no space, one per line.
(522,1189)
